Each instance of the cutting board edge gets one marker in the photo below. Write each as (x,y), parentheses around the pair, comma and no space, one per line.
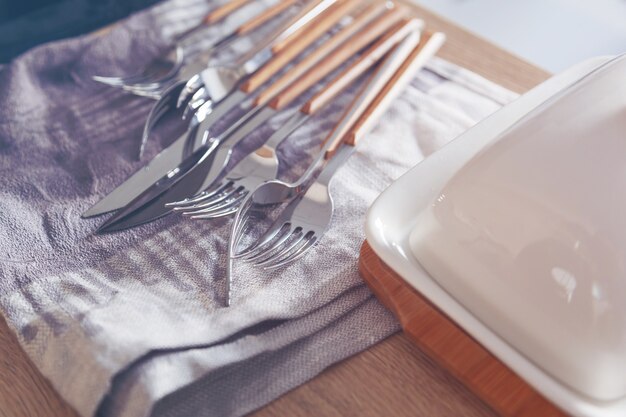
(450,346)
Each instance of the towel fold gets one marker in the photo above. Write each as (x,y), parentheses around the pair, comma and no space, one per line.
(131,324)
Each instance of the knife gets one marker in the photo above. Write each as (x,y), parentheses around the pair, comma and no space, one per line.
(168,159)
(205,171)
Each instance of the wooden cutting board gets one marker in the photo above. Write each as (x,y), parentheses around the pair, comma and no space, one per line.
(394,378)
(450,346)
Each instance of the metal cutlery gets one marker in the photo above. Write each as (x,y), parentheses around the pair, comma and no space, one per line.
(170,61)
(280,38)
(262,164)
(252,84)
(168,161)
(203,85)
(202,168)
(307,216)
(222,77)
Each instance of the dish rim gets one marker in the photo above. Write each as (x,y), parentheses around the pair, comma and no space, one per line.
(391,218)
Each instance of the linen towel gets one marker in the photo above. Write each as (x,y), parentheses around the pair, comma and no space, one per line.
(132,323)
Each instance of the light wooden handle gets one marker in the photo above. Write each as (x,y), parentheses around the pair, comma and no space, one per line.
(264,17)
(370,90)
(329,13)
(221,12)
(309,12)
(374,53)
(427,48)
(363,18)
(335,60)
(299,44)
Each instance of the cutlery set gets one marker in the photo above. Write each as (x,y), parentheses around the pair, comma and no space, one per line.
(322,50)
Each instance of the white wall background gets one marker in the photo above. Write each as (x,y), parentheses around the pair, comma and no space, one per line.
(552,34)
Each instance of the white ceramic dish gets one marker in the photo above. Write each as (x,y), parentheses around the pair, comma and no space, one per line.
(393,216)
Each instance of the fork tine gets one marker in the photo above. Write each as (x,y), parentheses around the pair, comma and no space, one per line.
(154,93)
(204,195)
(152,78)
(198,99)
(254,250)
(143,89)
(127,80)
(298,235)
(219,211)
(223,213)
(233,202)
(204,109)
(152,88)
(205,208)
(148,75)
(216,204)
(273,247)
(202,204)
(284,219)
(117,81)
(296,254)
(239,224)
(154,83)
(191,86)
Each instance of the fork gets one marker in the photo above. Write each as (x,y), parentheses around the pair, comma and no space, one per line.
(226,77)
(309,210)
(385,14)
(171,60)
(264,161)
(377,19)
(262,164)
(203,167)
(201,87)
(335,16)
(202,54)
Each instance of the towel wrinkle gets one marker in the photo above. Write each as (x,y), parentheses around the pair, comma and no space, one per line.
(86,308)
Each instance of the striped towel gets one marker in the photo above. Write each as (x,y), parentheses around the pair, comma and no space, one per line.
(132,324)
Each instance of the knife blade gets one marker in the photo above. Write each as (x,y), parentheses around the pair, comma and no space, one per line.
(161,165)
(150,204)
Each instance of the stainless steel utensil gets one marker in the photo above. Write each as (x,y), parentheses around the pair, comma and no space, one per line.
(305,219)
(262,164)
(204,166)
(200,87)
(171,61)
(166,162)
(224,77)
(252,84)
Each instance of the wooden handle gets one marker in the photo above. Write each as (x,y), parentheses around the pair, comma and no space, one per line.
(264,17)
(374,53)
(221,12)
(361,103)
(316,29)
(363,18)
(327,13)
(336,59)
(427,48)
(310,11)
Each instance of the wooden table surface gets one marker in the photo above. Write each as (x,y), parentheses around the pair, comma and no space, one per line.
(393,378)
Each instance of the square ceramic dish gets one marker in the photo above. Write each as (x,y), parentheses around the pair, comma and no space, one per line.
(393,217)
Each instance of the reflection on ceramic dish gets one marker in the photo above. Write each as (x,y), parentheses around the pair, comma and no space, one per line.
(530,235)
(515,231)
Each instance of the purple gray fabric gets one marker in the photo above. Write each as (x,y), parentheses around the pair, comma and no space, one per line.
(131,324)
